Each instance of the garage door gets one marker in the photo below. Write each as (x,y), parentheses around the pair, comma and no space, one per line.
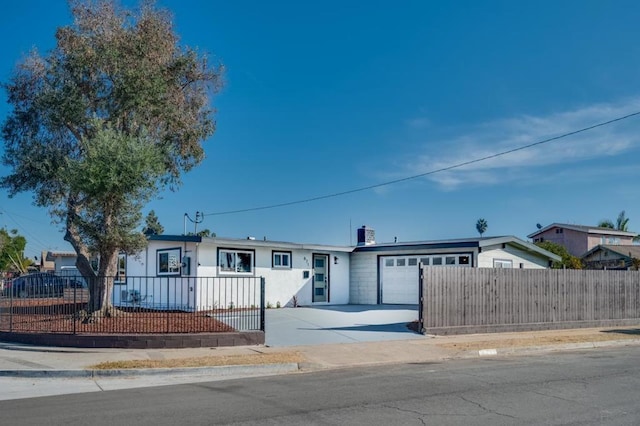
(399,280)
(399,275)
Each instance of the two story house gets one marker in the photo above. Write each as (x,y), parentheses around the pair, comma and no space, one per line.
(579,239)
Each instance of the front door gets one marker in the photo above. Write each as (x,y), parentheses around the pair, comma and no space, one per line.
(320,278)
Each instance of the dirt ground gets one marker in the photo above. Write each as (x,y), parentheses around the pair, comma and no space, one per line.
(59,315)
(556,337)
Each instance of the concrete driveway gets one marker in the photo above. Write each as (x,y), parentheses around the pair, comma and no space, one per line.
(339,324)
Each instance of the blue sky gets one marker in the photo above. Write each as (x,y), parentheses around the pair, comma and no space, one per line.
(325,97)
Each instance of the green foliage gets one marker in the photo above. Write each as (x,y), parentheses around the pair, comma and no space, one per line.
(204,233)
(568,261)
(606,223)
(12,251)
(621,224)
(152,226)
(115,112)
(481,226)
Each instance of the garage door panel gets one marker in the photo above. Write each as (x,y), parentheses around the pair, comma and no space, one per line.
(399,280)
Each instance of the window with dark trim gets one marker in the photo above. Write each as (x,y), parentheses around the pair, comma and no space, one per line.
(281,260)
(237,262)
(502,263)
(168,261)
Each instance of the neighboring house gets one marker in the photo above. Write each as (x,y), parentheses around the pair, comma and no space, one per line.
(46,265)
(62,261)
(579,239)
(612,257)
(388,273)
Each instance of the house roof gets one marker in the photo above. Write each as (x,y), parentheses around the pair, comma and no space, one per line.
(178,238)
(51,255)
(583,228)
(250,242)
(437,244)
(247,242)
(460,243)
(622,250)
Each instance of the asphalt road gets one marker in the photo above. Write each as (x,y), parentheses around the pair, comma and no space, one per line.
(582,388)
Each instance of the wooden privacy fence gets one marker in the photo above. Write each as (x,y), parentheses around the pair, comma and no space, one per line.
(472,300)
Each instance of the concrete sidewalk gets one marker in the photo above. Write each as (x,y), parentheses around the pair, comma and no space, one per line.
(31,371)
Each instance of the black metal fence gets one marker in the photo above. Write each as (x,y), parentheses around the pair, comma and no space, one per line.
(48,303)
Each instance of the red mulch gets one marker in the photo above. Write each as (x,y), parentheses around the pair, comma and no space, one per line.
(56,315)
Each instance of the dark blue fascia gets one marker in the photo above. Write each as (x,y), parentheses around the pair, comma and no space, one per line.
(178,238)
(419,246)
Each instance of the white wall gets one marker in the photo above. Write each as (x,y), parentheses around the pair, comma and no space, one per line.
(281,285)
(516,255)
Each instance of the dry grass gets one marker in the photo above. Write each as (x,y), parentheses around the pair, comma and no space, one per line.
(209,361)
(539,341)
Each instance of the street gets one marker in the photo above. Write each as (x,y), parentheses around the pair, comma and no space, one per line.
(587,388)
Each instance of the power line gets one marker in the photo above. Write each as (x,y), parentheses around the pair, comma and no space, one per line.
(443,169)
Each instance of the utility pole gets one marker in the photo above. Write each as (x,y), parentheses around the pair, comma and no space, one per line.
(198,219)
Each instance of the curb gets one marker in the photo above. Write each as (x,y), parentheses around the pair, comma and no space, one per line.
(525,350)
(218,371)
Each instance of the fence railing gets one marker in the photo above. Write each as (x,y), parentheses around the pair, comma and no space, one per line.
(142,305)
(487,299)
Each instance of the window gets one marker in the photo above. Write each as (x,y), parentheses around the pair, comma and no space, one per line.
(236,261)
(424,260)
(281,259)
(559,231)
(437,261)
(499,263)
(121,269)
(388,262)
(413,261)
(450,260)
(168,262)
(463,260)
(401,262)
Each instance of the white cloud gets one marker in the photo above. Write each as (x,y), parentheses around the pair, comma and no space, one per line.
(498,136)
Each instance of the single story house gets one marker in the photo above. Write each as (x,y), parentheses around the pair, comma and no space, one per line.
(172,271)
(306,274)
(612,257)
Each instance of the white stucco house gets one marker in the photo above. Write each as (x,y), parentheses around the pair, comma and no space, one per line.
(294,274)
(177,271)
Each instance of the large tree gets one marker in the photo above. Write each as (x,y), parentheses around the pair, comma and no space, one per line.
(152,224)
(115,112)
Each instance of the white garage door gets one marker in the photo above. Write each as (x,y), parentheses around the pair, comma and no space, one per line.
(399,280)
(399,275)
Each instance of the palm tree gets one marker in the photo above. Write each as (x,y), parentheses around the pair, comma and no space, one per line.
(481,226)
(622,223)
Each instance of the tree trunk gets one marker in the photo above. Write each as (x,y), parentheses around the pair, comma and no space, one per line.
(100,284)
